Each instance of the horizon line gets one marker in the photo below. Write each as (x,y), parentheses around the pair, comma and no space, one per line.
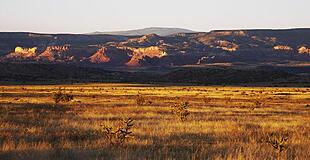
(231,29)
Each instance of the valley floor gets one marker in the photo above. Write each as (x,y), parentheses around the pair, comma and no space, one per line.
(224,122)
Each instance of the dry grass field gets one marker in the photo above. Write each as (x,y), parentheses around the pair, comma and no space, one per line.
(223,122)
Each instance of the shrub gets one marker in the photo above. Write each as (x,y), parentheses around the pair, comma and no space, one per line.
(207,100)
(119,136)
(181,110)
(278,142)
(257,104)
(140,100)
(228,100)
(59,96)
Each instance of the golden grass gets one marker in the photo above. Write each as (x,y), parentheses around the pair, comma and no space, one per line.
(224,122)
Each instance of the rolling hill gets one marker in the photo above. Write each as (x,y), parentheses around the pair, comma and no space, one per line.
(152,30)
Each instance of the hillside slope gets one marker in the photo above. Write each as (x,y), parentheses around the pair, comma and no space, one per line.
(229,46)
(152,30)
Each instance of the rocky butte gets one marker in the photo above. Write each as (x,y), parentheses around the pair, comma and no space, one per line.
(154,50)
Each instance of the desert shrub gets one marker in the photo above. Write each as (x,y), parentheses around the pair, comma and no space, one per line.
(140,100)
(120,135)
(207,100)
(228,100)
(59,96)
(181,110)
(258,103)
(278,142)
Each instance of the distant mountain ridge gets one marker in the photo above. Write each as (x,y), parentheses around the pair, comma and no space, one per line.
(152,30)
(199,48)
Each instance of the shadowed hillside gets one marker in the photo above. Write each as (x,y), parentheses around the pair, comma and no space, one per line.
(213,75)
(248,46)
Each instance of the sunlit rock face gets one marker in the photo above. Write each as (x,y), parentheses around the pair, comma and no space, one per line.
(214,38)
(205,59)
(22,53)
(229,33)
(227,46)
(25,50)
(283,48)
(149,38)
(99,56)
(151,49)
(140,53)
(146,40)
(56,53)
(304,50)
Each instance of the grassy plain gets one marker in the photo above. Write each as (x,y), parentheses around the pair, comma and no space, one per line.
(224,122)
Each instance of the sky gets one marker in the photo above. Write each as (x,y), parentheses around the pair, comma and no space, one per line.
(84,16)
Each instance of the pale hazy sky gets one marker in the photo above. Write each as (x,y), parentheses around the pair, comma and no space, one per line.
(83,16)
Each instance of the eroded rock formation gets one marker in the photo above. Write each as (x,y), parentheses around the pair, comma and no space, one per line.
(139,53)
(54,53)
(151,49)
(99,56)
(283,48)
(304,50)
(22,53)
(227,46)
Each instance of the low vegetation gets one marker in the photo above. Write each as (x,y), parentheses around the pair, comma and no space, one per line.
(205,122)
(119,136)
(278,142)
(181,110)
(60,96)
(140,100)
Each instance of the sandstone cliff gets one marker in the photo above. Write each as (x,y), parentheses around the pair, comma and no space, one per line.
(304,50)
(22,53)
(227,46)
(54,53)
(283,48)
(140,53)
(99,56)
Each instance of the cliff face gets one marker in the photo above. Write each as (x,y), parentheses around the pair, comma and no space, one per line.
(144,41)
(55,53)
(148,50)
(140,53)
(229,33)
(227,46)
(22,53)
(304,50)
(283,48)
(99,56)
